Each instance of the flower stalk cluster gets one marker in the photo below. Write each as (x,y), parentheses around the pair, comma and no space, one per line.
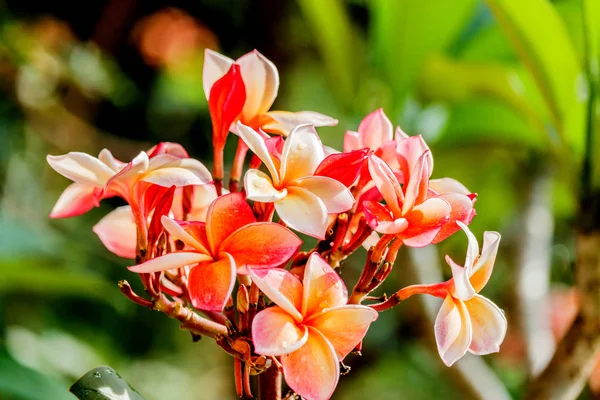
(227,264)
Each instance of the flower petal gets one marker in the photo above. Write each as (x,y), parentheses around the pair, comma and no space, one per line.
(81,168)
(181,172)
(110,161)
(313,370)
(375,129)
(323,287)
(259,187)
(472,248)
(275,332)
(489,325)
(283,122)
(462,210)
(387,184)
(336,197)
(76,199)
(425,221)
(352,141)
(215,66)
(175,260)
(485,264)
(179,232)
(210,283)
(380,219)
(343,167)
(453,331)
(257,145)
(344,326)
(448,185)
(303,211)
(282,287)
(416,187)
(262,83)
(117,231)
(277,245)
(302,153)
(226,215)
(463,289)
(410,150)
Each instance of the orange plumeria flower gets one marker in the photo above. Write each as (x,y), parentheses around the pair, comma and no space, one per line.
(310,326)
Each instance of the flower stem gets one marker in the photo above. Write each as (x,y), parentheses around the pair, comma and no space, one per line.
(269,384)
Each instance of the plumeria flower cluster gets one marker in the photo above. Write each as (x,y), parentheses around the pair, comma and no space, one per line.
(228,264)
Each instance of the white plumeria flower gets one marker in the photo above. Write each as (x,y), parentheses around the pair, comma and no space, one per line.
(301,200)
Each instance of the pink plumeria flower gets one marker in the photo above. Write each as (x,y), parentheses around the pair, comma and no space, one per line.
(301,199)
(310,326)
(468,321)
(374,130)
(222,248)
(409,213)
(261,81)
(460,199)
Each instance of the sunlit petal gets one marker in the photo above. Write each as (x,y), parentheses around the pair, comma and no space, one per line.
(375,129)
(387,184)
(180,172)
(352,141)
(81,168)
(303,211)
(380,219)
(77,199)
(170,261)
(336,197)
(416,187)
(425,221)
(302,153)
(283,288)
(354,319)
(323,287)
(210,283)
(489,325)
(215,66)
(262,83)
(259,187)
(117,231)
(463,289)
(178,232)
(313,370)
(275,332)
(226,215)
(462,211)
(453,331)
(283,122)
(485,264)
(448,185)
(256,144)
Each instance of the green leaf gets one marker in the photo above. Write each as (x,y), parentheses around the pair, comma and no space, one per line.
(405,32)
(22,383)
(457,81)
(103,383)
(543,44)
(337,43)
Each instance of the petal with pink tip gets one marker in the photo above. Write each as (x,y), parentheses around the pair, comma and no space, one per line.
(210,283)
(283,122)
(76,199)
(282,287)
(463,289)
(181,172)
(303,211)
(352,141)
(380,219)
(302,153)
(485,264)
(375,129)
(170,261)
(462,210)
(453,331)
(178,232)
(215,66)
(275,332)
(117,231)
(354,319)
(313,370)
(277,245)
(256,143)
(226,215)
(416,188)
(387,184)
(110,161)
(262,83)
(472,247)
(410,150)
(81,168)
(323,287)
(425,221)
(259,187)
(335,195)
(489,325)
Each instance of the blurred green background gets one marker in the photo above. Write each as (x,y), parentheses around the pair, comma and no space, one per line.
(498,89)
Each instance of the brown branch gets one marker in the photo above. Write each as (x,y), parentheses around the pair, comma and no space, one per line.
(269,384)
(572,364)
